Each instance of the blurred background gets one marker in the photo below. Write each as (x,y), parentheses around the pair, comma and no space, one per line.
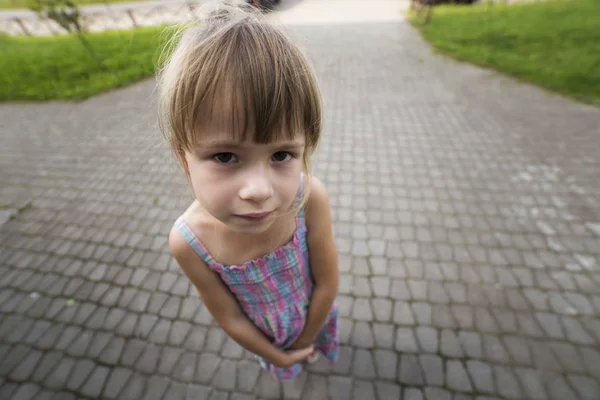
(461,152)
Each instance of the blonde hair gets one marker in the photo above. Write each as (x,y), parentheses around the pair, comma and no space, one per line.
(235,63)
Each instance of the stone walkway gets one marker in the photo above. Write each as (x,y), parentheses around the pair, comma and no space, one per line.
(467,217)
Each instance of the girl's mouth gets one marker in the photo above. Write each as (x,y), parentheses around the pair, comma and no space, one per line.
(255,217)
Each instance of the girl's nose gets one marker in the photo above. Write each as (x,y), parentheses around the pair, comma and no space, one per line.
(257,186)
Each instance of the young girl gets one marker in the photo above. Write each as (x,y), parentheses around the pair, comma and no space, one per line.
(240,107)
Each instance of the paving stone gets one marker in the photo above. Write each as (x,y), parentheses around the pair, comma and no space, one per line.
(346,328)
(437,293)
(494,349)
(176,391)
(457,291)
(484,322)
(27,391)
(433,369)
(382,309)
(132,351)
(268,387)
(399,290)
(450,345)
(591,360)
(586,387)
(442,317)
(575,332)
(427,338)
(7,390)
(293,389)
(558,387)
(507,384)
(219,395)
(60,374)
(532,383)
(315,388)
(97,344)
(247,375)
(386,362)
(528,325)
(160,332)
(361,310)
(25,367)
(36,332)
(45,365)
(406,341)
(386,390)
(198,392)
(156,388)
(345,305)
(518,349)
(422,312)
(438,394)
(196,338)
(117,380)
(241,396)
(403,314)
(409,372)
(569,357)
(215,339)
(550,324)
(580,303)
(342,366)
(380,286)
(456,376)
(362,335)
(224,378)
(363,365)
(95,383)
(145,325)
(363,390)
(81,371)
(413,394)
(361,287)
(383,335)
(481,376)
(185,368)
(148,361)
(340,387)
(208,363)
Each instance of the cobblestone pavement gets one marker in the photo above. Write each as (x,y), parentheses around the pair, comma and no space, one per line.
(467,217)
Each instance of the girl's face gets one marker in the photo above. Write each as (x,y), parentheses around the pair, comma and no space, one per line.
(245,185)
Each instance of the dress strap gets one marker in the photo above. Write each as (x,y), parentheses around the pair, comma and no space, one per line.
(193,240)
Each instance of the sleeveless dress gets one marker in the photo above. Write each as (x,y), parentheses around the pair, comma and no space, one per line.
(274,292)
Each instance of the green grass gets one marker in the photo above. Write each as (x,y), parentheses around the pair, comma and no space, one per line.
(44,68)
(554,44)
(12,4)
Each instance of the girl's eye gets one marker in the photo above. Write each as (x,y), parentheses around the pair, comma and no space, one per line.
(282,156)
(225,158)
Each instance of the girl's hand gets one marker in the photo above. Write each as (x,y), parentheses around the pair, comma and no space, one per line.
(291,357)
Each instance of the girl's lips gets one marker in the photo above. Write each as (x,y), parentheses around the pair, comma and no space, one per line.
(255,216)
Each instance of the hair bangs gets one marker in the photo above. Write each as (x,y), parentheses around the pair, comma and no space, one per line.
(240,72)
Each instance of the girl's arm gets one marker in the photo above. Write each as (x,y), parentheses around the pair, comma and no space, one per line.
(225,309)
(323,262)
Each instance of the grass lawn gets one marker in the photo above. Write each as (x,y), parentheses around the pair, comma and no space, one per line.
(43,68)
(554,44)
(7,4)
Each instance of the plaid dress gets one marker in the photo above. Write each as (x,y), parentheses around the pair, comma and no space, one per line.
(274,291)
